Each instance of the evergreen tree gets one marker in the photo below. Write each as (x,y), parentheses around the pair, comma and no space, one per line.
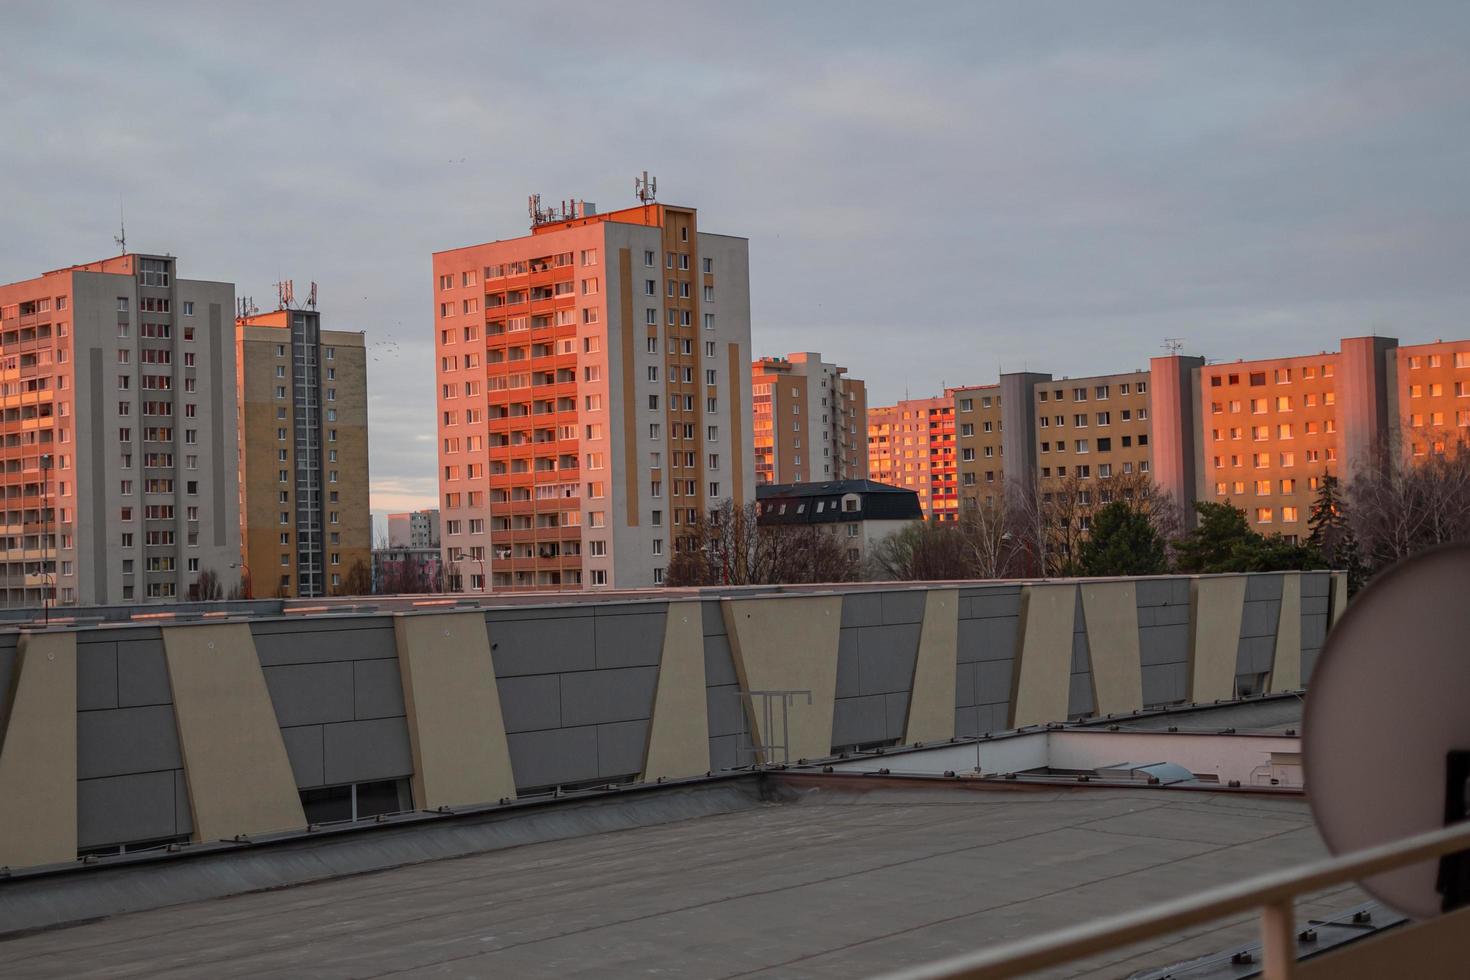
(1332,536)
(1220,536)
(1122,542)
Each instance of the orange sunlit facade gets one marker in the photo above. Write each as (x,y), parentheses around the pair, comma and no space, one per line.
(912,445)
(593,397)
(1433,389)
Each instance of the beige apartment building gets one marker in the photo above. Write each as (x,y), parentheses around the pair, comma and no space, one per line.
(119,434)
(302,393)
(979,430)
(593,396)
(809,419)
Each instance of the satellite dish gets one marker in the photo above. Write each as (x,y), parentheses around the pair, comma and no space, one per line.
(1388,705)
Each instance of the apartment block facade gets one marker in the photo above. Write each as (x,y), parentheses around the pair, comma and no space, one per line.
(302,404)
(414,529)
(119,434)
(593,396)
(979,434)
(912,445)
(809,421)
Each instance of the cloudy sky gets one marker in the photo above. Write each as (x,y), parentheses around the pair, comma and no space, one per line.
(933,193)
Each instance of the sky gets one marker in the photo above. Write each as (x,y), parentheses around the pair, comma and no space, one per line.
(934,193)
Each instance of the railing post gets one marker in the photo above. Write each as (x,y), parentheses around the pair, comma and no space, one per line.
(1278,940)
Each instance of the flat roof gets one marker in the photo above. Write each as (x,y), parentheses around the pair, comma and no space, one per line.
(815,877)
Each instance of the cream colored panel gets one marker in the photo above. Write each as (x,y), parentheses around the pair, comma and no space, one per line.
(1043,675)
(678,735)
(788,643)
(1111,612)
(235,763)
(453,705)
(1217,603)
(1286,665)
(38,754)
(931,703)
(1339,596)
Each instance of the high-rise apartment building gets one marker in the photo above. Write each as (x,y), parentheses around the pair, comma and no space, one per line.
(912,445)
(414,529)
(593,395)
(810,421)
(302,394)
(1094,427)
(119,434)
(979,426)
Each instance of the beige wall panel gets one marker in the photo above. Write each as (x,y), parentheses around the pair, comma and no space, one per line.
(38,754)
(1433,949)
(1286,665)
(1217,603)
(678,735)
(1339,596)
(453,706)
(1111,612)
(235,763)
(931,703)
(1043,675)
(789,643)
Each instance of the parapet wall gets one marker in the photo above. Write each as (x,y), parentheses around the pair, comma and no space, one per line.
(206,730)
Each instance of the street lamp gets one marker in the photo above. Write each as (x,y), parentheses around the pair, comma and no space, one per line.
(245,584)
(461,556)
(45,536)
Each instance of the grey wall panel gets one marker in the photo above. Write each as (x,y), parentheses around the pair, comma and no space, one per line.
(126,740)
(311,694)
(967,720)
(719,661)
(995,602)
(987,639)
(712,617)
(1163,644)
(1080,699)
(1316,584)
(993,717)
(993,681)
(723,753)
(861,609)
(726,710)
(601,696)
(886,656)
(1153,592)
(377,689)
(859,720)
(365,751)
(906,606)
(96,676)
(542,646)
(848,679)
(308,755)
(122,809)
(964,685)
(561,755)
(896,711)
(635,640)
(142,674)
(531,703)
(278,647)
(1259,618)
(1262,587)
(7,675)
(183,818)
(621,747)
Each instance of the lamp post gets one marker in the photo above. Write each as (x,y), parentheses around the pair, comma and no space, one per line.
(245,584)
(45,536)
(461,556)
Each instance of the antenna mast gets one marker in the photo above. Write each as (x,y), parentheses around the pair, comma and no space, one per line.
(121,239)
(646,188)
(1173,344)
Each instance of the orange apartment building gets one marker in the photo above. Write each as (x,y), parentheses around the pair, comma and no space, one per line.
(809,420)
(302,404)
(912,445)
(593,395)
(1432,385)
(119,440)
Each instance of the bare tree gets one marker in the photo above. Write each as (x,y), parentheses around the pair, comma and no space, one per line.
(207,587)
(1400,503)
(728,546)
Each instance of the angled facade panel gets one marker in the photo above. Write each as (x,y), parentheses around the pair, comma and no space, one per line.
(38,753)
(1043,674)
(678,733)
(932,697)
(1286,666)
(1218,604)
(1111,611)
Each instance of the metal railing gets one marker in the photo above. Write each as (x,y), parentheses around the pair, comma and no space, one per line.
(1273,895)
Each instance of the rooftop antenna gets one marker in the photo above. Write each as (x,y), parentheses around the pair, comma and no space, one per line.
(121,238)
(646,188)
(311,298)
(1173,344)
(285,294)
